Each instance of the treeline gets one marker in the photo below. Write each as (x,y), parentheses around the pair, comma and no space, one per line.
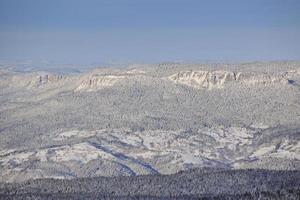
(193,184)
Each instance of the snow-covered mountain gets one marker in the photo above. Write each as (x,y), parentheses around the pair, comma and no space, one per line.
(149,119)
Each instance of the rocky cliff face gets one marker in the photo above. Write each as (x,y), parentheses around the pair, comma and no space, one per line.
(35,80)
(96,82)
(103,78)
(219,79)
(203,79)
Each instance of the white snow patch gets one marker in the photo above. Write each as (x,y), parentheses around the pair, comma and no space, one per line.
(74,134)
(263,151)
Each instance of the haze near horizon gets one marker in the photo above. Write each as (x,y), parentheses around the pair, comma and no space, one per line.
(85,32)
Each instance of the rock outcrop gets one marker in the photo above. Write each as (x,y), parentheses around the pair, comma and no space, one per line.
(35,80)
(96,82)
(219,79)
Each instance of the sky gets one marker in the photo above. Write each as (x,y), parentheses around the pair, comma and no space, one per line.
(147,31)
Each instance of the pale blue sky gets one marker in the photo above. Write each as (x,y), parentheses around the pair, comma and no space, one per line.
(89,31)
